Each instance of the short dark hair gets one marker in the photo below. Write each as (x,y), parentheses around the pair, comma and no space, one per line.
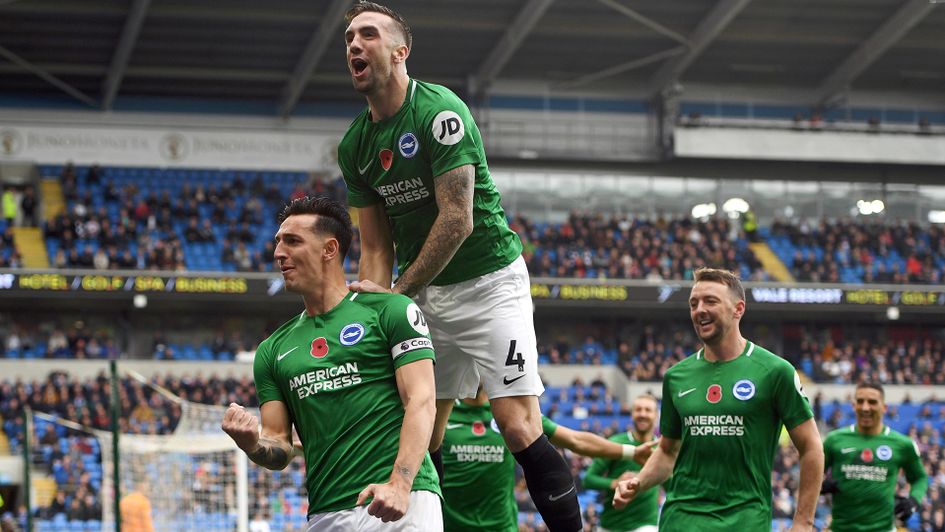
(332,218)
(873,386)
(362,7)
(725,277)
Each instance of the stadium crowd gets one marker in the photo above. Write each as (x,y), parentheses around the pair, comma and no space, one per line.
(225,223)
(824,353)
(73,457)
(891,252)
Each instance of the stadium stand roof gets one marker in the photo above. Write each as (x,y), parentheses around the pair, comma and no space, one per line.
(287,57)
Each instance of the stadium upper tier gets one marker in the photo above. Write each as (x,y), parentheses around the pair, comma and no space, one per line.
(220,220)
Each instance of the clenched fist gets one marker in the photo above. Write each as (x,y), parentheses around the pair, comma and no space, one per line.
(625,492)
(242,426)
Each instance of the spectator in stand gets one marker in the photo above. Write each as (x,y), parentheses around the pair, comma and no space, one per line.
(10,205)
(28,207)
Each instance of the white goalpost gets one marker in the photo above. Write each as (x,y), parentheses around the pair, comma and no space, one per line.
(195,478)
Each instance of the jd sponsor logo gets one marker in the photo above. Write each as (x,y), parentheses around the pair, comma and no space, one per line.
(714,394)
(351,334)
(744,390)
(448,128)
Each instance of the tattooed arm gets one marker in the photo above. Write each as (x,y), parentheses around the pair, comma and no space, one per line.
(415,384)
(454,199)
(272,448)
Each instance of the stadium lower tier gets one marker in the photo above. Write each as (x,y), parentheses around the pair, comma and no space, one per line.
(193,477)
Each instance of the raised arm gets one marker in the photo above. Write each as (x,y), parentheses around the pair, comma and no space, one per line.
(806,438)
(590,444)
(454,222)
(271,447)
(657,469)
(415,383)
(377,245)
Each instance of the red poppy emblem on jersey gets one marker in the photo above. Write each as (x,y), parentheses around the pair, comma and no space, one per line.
(867,455)
(479,428)
(387,157)
(319,347)
(714,395)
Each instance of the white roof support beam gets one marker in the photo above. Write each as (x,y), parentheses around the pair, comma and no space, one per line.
(706,31)
(46,76)
(500,54)
(621,68)
(126,44)
(317,45)
(648,22)
(871,49)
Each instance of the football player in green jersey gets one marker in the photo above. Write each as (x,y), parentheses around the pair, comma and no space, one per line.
(603,474)
(721,415)
(864,460)
(354,374)
(417,174)
(479,471)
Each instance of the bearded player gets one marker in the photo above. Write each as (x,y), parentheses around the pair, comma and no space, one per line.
(722,412)
(604,473)
(417,173)
(479,471)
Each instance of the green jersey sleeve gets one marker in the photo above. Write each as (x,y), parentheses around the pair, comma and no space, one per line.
(596,477)
(790,401)
(266,388)
(828,451)
(670,424)
(407,331)
(914,470)
(548,427)
(449,134)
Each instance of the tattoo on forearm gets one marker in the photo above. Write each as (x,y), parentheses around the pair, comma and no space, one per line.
(454,191)
(270,454)
(404,471)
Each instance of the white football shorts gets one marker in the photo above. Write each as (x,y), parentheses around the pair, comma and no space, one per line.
(482,330)
(423,514)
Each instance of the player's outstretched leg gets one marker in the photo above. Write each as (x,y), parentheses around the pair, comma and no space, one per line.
(546,473)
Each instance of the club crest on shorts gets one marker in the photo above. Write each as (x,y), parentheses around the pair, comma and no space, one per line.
(867,455)
(478,428)
(743,390)
(714,394)
(387,157)
(319,347)
(408,145)
(351,334)
(884,452)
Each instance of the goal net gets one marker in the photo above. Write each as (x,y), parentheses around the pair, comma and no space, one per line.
(194,478)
